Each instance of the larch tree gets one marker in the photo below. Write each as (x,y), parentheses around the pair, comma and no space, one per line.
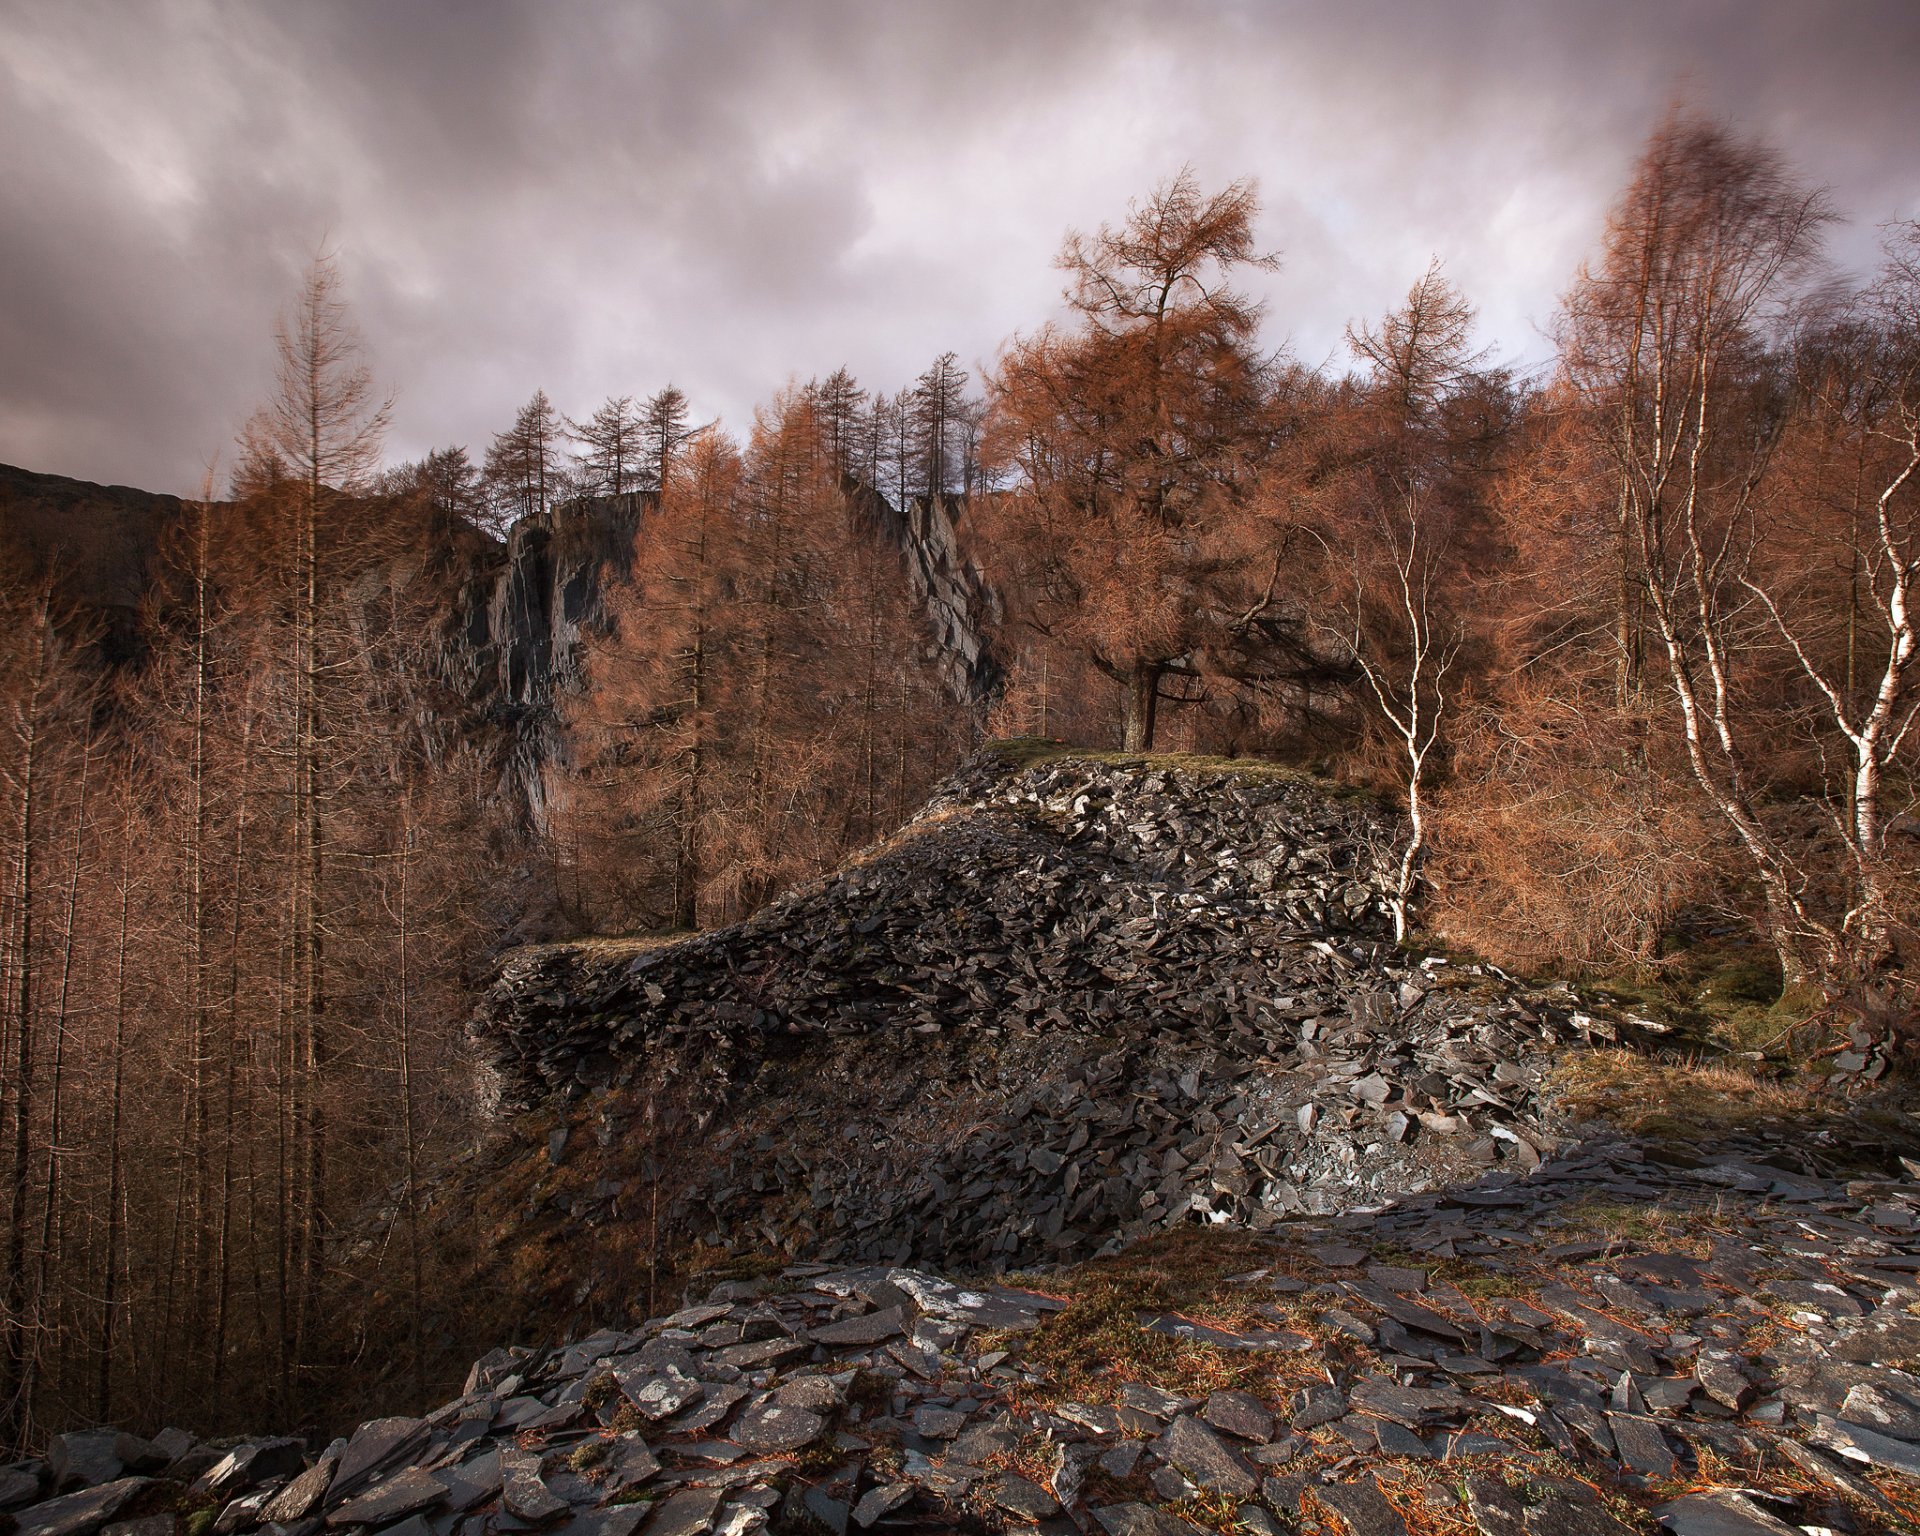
(614,458)
(938,412)
(664,428)
(526,470)
(1129,437)
(326,423)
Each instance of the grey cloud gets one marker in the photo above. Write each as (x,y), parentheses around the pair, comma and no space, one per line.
(594,198)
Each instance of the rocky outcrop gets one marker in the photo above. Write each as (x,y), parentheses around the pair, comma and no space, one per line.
(1071,1004)
(962,609)
(1718,1341)
(519,617)
(525,606)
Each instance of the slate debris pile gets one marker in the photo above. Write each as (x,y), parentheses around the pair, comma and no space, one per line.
(1073,895)
(1072,1004)
(1720,1342)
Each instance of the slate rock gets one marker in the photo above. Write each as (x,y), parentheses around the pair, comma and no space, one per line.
(144,1525)
(1154,1400)
(394,1499)
(84,1458)
(1143,1520)
(1724,1382)
(1018,1497)
(773,1428)
(879,1501)
(376,1444)
(255,1462)
(303,1495)
(1240,1414)
(1364,1508)
(19,1484)
(830,1513)
(1720,1512)
(1313,1406)
(1642,1446)
(1203,1456)
(658,1395)
(872,1328)
(1858,1443)
(614,1520)
(1875,1409)
(687,1513)
(1537,1506)
(938,1423)
(82,1513)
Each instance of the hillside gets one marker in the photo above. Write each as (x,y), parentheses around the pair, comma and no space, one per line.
(1085,1159)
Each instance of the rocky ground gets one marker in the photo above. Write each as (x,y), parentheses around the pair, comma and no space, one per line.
(1087,1159)
(1722,1342)
(1073,1003)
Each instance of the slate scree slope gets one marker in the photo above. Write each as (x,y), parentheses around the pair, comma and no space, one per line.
(1069,1004)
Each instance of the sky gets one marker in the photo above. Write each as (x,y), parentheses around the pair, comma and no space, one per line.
(597,199)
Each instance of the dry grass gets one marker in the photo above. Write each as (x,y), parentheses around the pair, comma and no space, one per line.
(1027,751)
(1653,1226)
(1097,1343)
(1638,1094)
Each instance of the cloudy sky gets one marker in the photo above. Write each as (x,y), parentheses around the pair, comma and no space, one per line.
(595,199)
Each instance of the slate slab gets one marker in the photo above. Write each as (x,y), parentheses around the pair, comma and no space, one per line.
(80,1514)
(1203,1456)
(1143,1520)
(1721,1512)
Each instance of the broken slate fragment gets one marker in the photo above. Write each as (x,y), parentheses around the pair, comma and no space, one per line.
(687,1513)
(873,1328)
(1642,1447)
(1197,1451)
(1720,1512)
(391,1501)
(883,1500)
(772,1428)
(1240,1414)
(1018,1497)
(77,1514)
(1143,1520)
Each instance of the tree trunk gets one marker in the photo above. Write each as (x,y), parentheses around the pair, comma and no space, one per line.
(1143,706)
(15,1342)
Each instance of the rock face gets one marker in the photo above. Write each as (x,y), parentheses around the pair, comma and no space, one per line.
(517,609)
(524,608)
(1072,1003)
(961,608)
(1535,1362)
(518,620)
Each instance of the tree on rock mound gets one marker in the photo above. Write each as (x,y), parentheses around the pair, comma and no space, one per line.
(1131,440)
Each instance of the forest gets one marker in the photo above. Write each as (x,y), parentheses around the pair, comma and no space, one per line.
(1630,638)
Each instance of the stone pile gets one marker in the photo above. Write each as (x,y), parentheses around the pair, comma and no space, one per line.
(1724,1341)
(1069,1005)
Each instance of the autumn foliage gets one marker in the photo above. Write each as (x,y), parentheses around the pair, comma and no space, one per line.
(1632,640)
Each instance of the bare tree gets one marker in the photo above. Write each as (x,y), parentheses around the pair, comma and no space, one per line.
(327,424)
(525,470)
(1870,697)
(1417,357)
(615,444)
(1710,238)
